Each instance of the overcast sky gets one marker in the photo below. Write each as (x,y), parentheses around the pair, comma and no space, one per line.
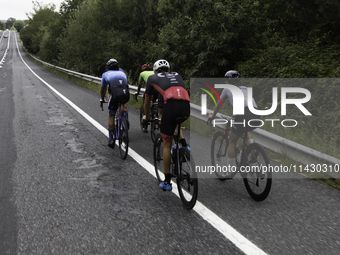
(18,8)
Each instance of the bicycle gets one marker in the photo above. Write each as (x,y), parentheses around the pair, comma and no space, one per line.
(122,135)
(252,162)
(182,168)
(154,126)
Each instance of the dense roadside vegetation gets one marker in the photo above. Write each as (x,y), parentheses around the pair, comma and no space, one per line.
(260,38)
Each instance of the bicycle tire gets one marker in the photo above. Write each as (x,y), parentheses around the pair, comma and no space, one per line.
(187,181)
(141,117)
(158,158)
(258,184)
(123,138)
(153,115)
(219,150)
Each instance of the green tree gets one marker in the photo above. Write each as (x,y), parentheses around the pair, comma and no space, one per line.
(10,22)
(205,38)
(37,26)
(2,26)
(19,24)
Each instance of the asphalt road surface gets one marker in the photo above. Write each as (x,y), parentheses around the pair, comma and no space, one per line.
(63,191)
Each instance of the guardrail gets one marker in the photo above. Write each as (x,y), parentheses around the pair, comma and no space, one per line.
(268,140)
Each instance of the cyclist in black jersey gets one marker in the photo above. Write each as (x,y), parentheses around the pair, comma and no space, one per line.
(176,100)
(237,129)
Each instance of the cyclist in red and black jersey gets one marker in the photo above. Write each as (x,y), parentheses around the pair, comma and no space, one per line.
(176,100)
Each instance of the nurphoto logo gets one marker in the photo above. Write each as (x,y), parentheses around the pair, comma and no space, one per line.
(238,104)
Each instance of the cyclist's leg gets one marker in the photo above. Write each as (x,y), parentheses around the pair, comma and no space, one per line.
(160,107)
(236,131)
(125,114)
(113,106)
(254,118)
(111,125)
(185,112)
(168,126)
(233,138)
(125,110)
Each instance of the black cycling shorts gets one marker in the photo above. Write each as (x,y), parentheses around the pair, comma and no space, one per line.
(239,129)
(173,109)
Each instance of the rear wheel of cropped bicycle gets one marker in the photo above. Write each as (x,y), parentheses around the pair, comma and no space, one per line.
(123,139)
(257,180)
(187,181)
(154,126)
(158,157)
(219,149)
(141,117)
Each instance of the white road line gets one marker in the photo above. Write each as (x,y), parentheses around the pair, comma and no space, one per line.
(224,228)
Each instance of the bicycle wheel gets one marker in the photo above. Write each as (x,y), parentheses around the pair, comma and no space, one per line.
(257,181)
(123,139)
(219,149)
(158,158)
(154,125)
(187,181)
(141,117)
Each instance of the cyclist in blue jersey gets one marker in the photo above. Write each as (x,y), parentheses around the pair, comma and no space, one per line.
(118,93)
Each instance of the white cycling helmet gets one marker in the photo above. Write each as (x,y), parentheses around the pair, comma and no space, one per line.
(161,63)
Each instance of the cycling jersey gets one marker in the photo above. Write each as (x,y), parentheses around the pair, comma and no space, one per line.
(118,88)
(113,78)
(226,93)
(169,85)
(176,100)
(143,76)
(241,120)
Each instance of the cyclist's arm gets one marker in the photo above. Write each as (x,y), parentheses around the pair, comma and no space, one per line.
(103,93)
(103,88)
(216,110)
(140,79)
(147,102)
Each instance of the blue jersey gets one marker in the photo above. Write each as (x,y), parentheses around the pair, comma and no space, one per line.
(113,78)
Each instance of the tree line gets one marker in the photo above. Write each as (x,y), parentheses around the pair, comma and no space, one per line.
(200,38)
(12,23)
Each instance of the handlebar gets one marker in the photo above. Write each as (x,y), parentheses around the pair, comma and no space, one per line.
(102,102)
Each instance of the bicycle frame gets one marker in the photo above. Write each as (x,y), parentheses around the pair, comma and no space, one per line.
(244,145)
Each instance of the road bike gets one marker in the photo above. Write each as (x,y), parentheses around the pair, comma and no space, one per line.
(252,162)
(182,168)
(154,126)
(121,129)
(122,134)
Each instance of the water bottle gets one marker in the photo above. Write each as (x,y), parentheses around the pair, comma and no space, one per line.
(173,154)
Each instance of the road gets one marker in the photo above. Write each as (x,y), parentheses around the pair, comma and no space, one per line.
(63,191)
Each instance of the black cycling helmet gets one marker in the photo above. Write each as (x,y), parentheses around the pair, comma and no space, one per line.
(232,74)
(146,67)
(112,64)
